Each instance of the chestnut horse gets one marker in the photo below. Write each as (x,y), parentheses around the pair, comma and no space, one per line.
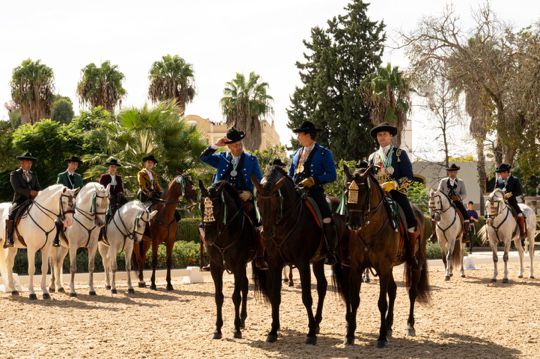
(373,243)
(163,228)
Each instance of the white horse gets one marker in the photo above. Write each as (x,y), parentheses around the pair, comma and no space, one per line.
(449,231)
(90,208)
(37,228)
(125,228)
(502,227)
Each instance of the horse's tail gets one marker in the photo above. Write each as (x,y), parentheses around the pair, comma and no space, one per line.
(423,289)
(261,283)
(456,254)
(339,279)
(482,234)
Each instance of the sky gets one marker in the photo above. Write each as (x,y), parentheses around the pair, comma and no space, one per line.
(219,38)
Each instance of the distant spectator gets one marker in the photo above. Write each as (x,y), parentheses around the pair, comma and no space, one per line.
(471,213)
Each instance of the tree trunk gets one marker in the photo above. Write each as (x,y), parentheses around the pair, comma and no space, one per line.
(481,168)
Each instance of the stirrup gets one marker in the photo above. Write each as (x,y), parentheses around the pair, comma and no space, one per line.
(56,243)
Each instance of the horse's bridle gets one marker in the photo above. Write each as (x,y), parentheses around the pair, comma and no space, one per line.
(125,232)
(490,219)
(365,213)
(441,208)
(91,215)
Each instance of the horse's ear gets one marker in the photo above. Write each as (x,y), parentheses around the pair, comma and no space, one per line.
(203,189)
(76,190)
(279,183)
(152,214)
(347,171)
(365,173)
(108,189)
(256,183)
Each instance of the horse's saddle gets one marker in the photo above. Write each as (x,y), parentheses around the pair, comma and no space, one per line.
(314,210)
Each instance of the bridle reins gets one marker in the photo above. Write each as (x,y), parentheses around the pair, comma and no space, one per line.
(441,210)
(491,218)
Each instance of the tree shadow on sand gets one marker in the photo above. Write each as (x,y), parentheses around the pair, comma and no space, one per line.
(291,345)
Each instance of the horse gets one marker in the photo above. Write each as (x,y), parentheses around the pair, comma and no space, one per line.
(288,275)
(90,208)
(449,231)
(374,243)
(292,236)
(231,242)
(163,229)
(125,229)
(35,231)
(501,227)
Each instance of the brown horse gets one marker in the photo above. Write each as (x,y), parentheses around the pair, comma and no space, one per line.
(292,236)
(374,243)
(163,228)
(231,240)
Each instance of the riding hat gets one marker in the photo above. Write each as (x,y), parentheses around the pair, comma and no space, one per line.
(385,126)
(504,167)
(150,158)
(233,135)
(74,159)
(362,164)
(453,167)
(27,156)
(113,162)
(307,127)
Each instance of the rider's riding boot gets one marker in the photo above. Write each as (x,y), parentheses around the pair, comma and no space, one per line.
(433,237)
(466,224)
(330,233)
(411,247)
(522,229)
(260,262)
(59,228)
(9,234)
(202,266)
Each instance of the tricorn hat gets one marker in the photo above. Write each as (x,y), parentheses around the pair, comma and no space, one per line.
(307,127)
(453,167)
(385,126)
(150,157)
(504,167)
(233,135)
(74,159)
(113,162)
(26,156)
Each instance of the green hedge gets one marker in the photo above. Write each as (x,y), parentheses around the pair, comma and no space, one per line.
(477,242)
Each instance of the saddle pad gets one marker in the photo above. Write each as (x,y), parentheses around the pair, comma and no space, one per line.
(314,209)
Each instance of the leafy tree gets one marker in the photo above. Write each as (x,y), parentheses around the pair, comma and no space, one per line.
(244,103)
(32,85)
(101,86)
(336,62)
(268,155)
(172,78)
(62,109)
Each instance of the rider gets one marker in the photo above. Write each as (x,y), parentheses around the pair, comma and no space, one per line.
(512,188)
(312,167)
(392,165)
(26,186)
(69,177)
(150,190)
(116,191)
(454,188)
(236,167)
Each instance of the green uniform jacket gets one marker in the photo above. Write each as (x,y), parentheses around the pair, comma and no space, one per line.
(76,182)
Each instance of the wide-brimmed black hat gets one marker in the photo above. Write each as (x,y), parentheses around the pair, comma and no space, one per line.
(74,159)
(233,135)
(383,127)
(453,167)
(113,161)
(27,156)
(307,127)
(504,167)
(362,164)
(150,158)
(278,162)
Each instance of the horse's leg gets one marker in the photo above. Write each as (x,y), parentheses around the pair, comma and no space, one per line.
(442,245)
(245,289)
(104,252)
(53,264)
(291,281)
(495,259)
(44,271)
(519,247)
(274,276)
(413,292)
(31,255)
(351,289)
(365,276)
(462,253)
(113,253)
(154,264)
(170,246)
(140,254)
(322,286)
(507,244)
(384,280)
(449,264)
(128,252)
(217,276)
(285,278)
(305,279)
(531,251)
(72,267)
(392,288)
(59,270)
(237,299)
(91,266)
(10,261)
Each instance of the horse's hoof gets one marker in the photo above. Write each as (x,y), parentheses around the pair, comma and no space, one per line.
(238,335)
(73,295)
(108,287)
(520,276)
(217,335)
(389,333)
(170,287)
(349,341)
(131,291)
(61,290)
(493,280)
(318,330)
(15,293)
(463,276)
(243,324)
(142,285)
(271,338)
(114,291)
(411,332)
(447,278)
(52,290)
(505,280)
(382,343)
(32,296)
(92,292)
(311,340)
(451,274)
(46,296)
(153,287)
(291,284)
(531,277)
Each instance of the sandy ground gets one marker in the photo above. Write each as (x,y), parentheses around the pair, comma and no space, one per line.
(467,318)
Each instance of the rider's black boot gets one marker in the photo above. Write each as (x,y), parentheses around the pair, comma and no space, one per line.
(9,234)
(59,229)
(330,234)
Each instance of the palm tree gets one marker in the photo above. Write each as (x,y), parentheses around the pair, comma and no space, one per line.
(244,103)
(101,86)
(386,93)
(172,78)
(32,90)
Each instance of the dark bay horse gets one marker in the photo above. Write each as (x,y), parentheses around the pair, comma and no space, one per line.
(292,236)
(163,228)
(373,243)
(230,238)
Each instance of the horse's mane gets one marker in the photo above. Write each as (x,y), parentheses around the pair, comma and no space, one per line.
(228,188)
(275,174)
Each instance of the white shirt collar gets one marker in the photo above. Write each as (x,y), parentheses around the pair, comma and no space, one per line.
(386,148)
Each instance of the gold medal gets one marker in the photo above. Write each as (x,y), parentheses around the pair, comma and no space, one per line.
(301,168)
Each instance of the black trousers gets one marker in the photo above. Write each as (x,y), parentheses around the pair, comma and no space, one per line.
(16,207)
(318,195)
(404,203)
(461,208)
(512,201)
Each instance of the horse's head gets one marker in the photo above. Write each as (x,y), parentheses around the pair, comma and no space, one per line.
(93,202)
(67,205)
(139,216)
(271,199)
(437,202)
(359,186)
(220,203)
(495,203)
